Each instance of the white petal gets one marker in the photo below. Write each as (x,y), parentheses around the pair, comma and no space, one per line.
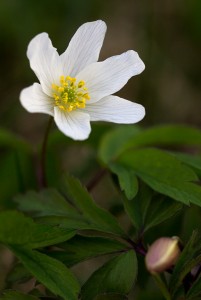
(107,77)
(115,109)
(74,124)
(84,47)
(45,61)
(35,100)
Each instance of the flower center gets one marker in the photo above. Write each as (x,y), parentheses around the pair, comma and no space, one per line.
(70,95)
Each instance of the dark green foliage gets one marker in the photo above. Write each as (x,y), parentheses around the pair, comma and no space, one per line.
(99,218)
(16,229)
(64,226)
(127,180)
(110,278)
(11,295)
(165,174)
(81,248)
(190,258)
(52,273)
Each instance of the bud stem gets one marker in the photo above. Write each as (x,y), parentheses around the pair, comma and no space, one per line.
(162,286)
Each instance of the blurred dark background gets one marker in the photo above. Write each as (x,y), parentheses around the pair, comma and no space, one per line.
(166,34)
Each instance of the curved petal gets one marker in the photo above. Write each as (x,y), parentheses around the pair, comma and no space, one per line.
(45,61)
(84,47)
(74,124)
(107,77)
(34,100)
(115,109)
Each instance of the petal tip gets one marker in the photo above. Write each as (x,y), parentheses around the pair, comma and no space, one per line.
(34,42)
(137,61)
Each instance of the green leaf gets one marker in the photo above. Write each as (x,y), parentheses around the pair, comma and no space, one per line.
(147,210)
(165,135)
(50,272)
(119,140)
(67,223)
(127,180)
(165,174)
(17,229)
(113,142)
(18,274)
(81,248)
(189,258)
(138,206)
(193,161)
(50,207)
(13,295)
(195,289)
(116,276)
(78,195)
(48,202)
(161,208)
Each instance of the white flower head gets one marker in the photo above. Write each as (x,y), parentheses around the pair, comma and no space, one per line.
(76,89)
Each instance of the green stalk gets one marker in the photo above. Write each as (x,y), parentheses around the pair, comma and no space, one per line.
(162,286)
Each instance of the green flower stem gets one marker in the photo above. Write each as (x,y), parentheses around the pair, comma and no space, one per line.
(43,154)
(162,286)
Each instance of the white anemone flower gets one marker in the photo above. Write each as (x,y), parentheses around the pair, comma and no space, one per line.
(76,89)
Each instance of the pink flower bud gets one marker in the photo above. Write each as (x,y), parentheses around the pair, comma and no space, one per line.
(162,254)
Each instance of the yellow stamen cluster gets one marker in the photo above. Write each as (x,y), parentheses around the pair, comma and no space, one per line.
(70,95)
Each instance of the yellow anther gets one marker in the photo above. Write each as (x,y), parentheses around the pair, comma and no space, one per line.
(81,105)
(61,89)
(62,79)
(81,84)
(86,96)
(56,97)
(70,95)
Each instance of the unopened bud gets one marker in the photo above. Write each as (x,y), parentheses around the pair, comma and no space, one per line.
(162,254)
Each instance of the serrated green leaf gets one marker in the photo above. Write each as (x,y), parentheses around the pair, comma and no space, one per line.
(165,174)
(78,195)
(48,202)
(50,272)
(116,276)
(50,207)
(189,258)
(161,208)
(138,206)
(67,223)
(119,140)
(127,180)
(195,289)
(81,248)
(13,295)
(17,229)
